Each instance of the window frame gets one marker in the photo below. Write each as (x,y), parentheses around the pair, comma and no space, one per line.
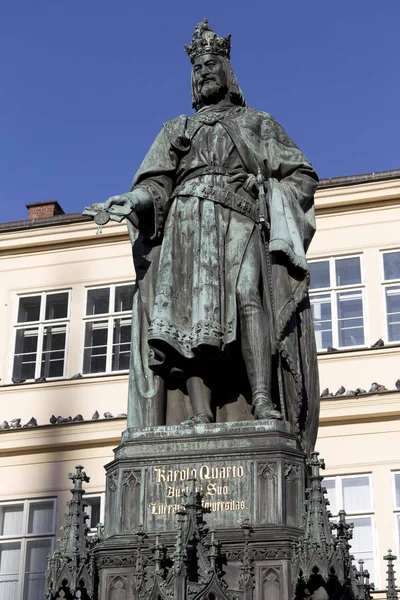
(110,317)
(396,510)
(24,537)
(369,513)
(333,291)
(40,325)
(386,284)
(101,495)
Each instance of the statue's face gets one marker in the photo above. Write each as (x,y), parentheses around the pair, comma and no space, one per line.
(210,78)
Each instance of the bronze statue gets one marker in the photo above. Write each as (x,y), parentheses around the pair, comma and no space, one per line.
(220,215)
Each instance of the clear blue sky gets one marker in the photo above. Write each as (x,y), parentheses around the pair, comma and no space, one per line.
(86,84)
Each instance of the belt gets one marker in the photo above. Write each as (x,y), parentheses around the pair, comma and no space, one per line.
(208,170)
(221,196)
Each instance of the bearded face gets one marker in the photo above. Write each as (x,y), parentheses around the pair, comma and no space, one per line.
(210,78)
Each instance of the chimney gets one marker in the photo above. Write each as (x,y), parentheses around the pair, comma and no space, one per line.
(44,210)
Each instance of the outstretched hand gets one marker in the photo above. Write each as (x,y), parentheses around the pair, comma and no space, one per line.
(116,201)
(138,198)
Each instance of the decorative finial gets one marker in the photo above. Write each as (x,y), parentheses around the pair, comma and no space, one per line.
(391,592)
(78,477)
(206,41)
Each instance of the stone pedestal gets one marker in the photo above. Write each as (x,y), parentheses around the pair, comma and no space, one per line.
(251,476)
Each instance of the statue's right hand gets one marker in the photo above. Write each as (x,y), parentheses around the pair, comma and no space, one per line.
(137,198)
(122,200)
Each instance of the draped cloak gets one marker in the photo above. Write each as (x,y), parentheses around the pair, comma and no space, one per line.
(188,251)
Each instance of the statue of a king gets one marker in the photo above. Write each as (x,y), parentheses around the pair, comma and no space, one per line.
(220,216)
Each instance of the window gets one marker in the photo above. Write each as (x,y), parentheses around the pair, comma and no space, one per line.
(40,338)
(396,487)
(27,534)
(94,510)
(337,302)
(391,287)
(354,495)
(108,329)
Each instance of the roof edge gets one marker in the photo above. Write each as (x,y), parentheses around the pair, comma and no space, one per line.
(345,180)
(66,219)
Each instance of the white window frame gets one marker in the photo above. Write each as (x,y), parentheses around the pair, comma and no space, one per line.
(110,317)
(370,513)
(24,537)
(40,325)
(396,511)
(387,283)
(101,496)
(333,292)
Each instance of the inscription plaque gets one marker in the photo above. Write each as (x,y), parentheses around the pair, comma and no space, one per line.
(226,490)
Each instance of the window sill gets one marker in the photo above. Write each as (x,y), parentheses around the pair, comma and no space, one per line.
(85,379)
(354,352)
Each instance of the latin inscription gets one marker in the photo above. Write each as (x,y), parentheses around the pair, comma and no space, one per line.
(219,485)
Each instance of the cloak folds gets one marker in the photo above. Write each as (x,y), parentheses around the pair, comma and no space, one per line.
(258,142)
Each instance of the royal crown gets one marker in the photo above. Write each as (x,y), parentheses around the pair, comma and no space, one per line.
(206,41)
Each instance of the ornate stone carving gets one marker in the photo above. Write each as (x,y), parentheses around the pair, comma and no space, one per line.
(115,561)
(113,481)
(292,472)
(267,470)
(131,478)
(70,569)
(117,588)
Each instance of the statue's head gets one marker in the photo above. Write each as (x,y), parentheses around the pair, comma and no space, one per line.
(212,75)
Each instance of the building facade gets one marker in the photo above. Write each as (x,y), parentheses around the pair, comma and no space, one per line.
(65,321)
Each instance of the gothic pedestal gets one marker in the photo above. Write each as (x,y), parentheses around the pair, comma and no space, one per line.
(251,477)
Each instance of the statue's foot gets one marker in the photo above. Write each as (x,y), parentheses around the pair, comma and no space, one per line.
(197,419)
(264,409)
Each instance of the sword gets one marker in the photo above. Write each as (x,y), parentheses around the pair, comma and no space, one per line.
(264,223)
(263,213)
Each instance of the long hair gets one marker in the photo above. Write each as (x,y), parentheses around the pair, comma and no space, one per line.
(235,93)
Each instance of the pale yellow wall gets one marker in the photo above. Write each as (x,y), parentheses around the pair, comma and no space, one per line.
(34,463)
(345,226)
(361,436)
(31,262)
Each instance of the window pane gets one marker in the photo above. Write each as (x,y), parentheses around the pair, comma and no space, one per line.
(95,352)
(398,528)
(391,265)
(322,317)
(397,489)
(36,557)
(41,517)
(25,353)
(319,274)
(123,298)
(53,351)
(11,519)
(348,271)
(34,586)
(356,494)
(362,543)
(29,309)
(10,556)
(350,319)
(330,485)
(56,306)
(93,511)
(98,301)
(121,344)
(393,312)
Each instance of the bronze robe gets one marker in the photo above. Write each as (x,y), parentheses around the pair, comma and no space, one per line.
(188,250)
